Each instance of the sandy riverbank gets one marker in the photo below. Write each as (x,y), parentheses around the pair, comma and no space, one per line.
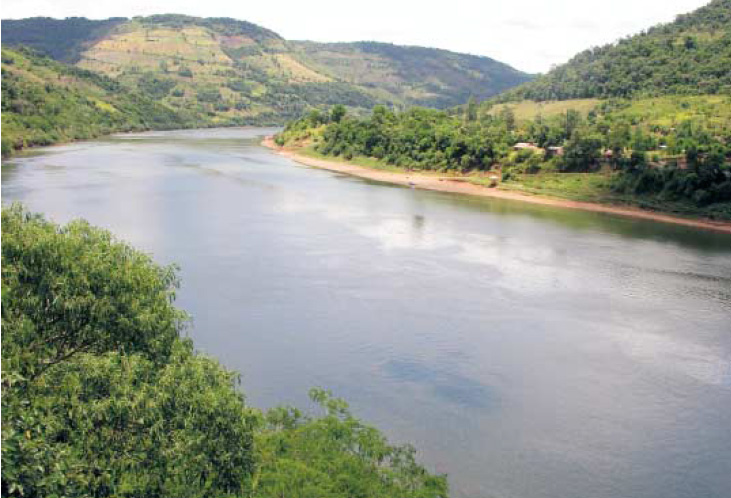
(446,184)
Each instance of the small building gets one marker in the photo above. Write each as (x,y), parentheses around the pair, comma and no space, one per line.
(554,151)
(526,145)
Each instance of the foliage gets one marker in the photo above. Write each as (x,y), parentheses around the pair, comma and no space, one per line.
(669,149)
(102,397)
(689,56)
(45,102)
(116,424)
(58,300)
(336,455)
(706,181)
(417,138)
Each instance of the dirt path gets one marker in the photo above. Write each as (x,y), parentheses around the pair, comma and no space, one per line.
(447,184)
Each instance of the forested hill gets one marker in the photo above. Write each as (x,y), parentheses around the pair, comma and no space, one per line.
(689,56)
(231,71)
(44,101)
(426,76)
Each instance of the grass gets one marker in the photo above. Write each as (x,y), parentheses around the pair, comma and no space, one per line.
(528,109)
(714,110)
(596,188)
(585,187)
(366,162)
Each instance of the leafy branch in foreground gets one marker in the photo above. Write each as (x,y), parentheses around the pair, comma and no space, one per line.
(102,397)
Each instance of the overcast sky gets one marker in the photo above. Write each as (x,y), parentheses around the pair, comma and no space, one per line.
(531,35)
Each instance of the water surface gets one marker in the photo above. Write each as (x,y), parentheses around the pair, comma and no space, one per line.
(527,351)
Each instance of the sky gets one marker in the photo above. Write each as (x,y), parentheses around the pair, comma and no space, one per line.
(530,35)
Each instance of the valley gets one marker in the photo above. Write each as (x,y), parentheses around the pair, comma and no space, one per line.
(259,267)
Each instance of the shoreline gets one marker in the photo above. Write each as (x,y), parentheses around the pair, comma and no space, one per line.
(18,152)
(446,184)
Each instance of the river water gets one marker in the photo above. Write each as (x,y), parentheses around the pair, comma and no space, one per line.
(527,351)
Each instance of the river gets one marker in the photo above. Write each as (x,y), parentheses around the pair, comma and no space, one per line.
(527,351)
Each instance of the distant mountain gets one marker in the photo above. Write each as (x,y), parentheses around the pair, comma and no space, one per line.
(44,101)
(691,56)
(229,71)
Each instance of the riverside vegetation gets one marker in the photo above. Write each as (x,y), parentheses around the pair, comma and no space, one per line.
(620,139)
(103,396)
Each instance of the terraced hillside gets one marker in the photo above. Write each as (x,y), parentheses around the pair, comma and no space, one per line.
(227,71)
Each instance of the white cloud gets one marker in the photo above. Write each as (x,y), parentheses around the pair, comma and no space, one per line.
(530,35)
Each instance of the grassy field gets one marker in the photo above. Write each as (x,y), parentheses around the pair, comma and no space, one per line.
(713,110)
(667,111)
(528,109)
(597,188)
(586,187)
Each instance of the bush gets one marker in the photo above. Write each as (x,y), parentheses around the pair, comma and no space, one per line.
(185,72)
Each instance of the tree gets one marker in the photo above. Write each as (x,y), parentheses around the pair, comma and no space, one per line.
(471,110)
(335,456)
(337,113)
(508,116)
(75,289)
(572,121)
(581,152)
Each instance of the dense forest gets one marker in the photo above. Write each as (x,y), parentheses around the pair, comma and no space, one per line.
(103,396)
(691,56)
(44,102)
(234,72)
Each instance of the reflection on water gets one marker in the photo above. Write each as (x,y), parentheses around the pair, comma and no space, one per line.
(526,350)
(448,386)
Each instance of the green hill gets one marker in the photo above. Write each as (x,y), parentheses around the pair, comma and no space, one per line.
(410,75)
(691,56)
(44,101)
(227,71)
